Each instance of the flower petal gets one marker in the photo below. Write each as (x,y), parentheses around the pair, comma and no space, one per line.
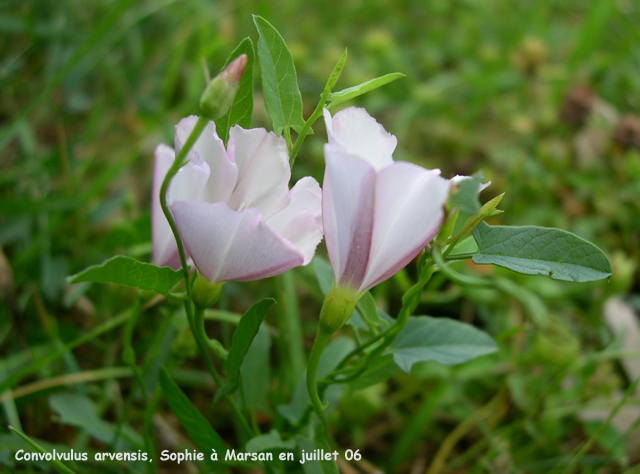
(210,150)
(457,178)
(408,213)
(347,214)
(301,221)
(189,183)
(263,170)
(305,195)
(165,251)
(230,245)
(359,133)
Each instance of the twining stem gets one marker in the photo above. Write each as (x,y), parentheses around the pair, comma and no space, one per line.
(410,302)
(213,345)
(459,278)
(322,338)
(324,97)
(178,163)
(469,225)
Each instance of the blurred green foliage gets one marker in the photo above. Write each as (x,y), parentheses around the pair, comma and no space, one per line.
(542,96)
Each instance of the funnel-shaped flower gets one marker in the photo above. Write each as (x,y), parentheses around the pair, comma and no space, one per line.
(378,214)
(233,208)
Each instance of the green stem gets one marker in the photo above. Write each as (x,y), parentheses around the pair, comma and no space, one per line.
(305,128)
(215,346)
(322,338)
(57,464)
(410,302)
(199,314)
(459,278)
(178,163)
(324,97)
(287,137)
(468,226)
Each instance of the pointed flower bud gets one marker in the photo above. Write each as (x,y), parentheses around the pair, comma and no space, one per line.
(219,94)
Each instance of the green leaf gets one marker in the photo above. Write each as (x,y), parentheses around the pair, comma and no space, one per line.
(335,74)
(269,441)
(54,462)
(128,271)
(196,426)
(282,97)
(242,339)
(443,340)
(255,372)
(78,410)
(242,107)
(541,251)
(378,371)
(336,98)
(465,195)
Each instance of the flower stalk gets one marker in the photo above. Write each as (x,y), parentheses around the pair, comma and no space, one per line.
(336,309)
(178,163)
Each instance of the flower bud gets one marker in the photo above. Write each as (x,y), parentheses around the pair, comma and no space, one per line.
(219,94)
(205,294)
(337,308)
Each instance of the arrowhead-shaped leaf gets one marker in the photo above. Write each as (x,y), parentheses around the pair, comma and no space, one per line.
(242,107)
(541,251)
(128,271)
(282,97)
(443,340)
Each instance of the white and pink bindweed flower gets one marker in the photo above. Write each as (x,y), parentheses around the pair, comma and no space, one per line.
(378,214)
(234,210)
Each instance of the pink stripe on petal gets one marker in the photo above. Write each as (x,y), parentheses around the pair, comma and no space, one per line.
(347,214)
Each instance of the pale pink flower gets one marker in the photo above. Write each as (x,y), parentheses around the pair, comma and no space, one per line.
(377,214)
(233,208)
